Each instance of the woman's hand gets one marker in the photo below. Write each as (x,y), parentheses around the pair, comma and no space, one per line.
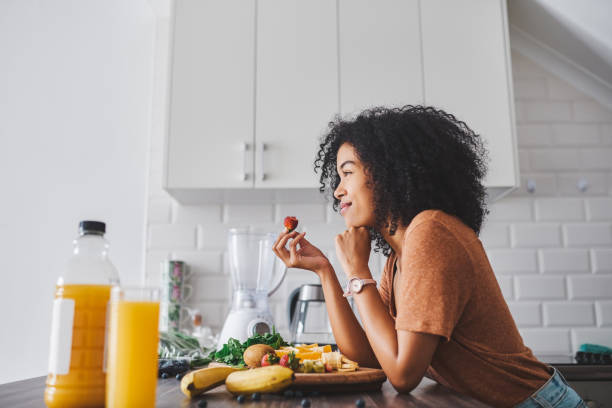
(353,251)
(307,256)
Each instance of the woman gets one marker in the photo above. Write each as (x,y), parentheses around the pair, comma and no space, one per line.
(410,179)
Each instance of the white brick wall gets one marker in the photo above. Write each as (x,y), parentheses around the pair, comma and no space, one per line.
(551,249)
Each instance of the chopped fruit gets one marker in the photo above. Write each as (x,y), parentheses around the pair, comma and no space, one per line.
(269,359)
(284,360)
(290,223)
(311,349)
(328,368)
(308,355)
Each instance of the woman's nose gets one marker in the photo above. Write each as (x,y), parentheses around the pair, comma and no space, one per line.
(339,192)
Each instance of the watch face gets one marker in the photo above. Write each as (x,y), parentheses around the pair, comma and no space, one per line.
(356,285)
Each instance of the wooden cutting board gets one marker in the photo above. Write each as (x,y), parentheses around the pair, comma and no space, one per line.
(363,379)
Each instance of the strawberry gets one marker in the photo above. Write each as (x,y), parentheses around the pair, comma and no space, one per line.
(284,360)
(269,359)
(328,368)
(290,223)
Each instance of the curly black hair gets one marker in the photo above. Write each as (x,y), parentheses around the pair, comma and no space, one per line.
(416,158)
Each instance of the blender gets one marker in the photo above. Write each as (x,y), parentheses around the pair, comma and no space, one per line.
(255,275)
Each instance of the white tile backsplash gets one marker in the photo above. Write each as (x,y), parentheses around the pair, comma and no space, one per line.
(495,235)
(573,134)
(535,235)
(596,159)
(539,287)
(551,249)
(205,262)
(554,159)
(599,209)
(511,209)
(559,209)
(530,135)
(169,236)
(196,214)
(548,111)
(596,336)
(590,287)
(507,261)
(587,235)
(602,260)
(567,183)
(547,341)
(591,111)
(564,261)
(604,313)
(526,314)
(248,213)
(569,314)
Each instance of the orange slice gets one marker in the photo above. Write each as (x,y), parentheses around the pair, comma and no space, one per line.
(314,355)
(281,353)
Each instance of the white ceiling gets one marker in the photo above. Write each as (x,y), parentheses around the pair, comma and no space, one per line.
(580,30)
(588,19)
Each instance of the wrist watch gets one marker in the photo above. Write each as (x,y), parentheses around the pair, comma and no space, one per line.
(355,285)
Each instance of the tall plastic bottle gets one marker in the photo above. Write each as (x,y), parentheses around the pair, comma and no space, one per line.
(76,356)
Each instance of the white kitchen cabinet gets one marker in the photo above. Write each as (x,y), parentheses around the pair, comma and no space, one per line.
(380,54)
(467,72)
(254,84)
(212,89)
(297,88)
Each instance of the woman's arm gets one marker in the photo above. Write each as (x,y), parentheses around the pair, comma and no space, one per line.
(350,337)
(402,354)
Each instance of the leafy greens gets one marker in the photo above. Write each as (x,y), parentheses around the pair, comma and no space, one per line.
(232,351)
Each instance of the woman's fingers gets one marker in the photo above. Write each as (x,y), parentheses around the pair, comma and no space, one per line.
(293,245)
(280,249)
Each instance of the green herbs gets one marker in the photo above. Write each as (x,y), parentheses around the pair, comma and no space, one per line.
(232,351)
(174,345)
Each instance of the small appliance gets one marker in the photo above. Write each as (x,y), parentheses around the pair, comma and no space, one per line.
(256,273)
(308,320)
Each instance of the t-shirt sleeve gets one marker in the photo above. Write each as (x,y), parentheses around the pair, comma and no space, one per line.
(435,282)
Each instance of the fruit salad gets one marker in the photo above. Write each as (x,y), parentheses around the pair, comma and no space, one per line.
(315,359)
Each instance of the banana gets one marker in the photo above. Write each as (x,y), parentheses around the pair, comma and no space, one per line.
(268,379)
(199,381)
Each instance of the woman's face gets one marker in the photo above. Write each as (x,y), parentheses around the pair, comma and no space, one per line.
(356,198)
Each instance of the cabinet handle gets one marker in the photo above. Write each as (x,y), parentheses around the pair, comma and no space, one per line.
(245,148)
(262,175)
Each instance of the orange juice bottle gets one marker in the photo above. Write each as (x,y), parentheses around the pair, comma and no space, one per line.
(78,330)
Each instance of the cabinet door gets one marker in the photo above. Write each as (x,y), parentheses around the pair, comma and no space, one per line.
(380,54)
(297,88)
(467,74)
(211,105)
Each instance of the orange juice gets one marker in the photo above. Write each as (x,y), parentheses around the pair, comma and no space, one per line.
(132,353)
(84,383)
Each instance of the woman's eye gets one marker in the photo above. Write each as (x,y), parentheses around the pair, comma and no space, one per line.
(346,173)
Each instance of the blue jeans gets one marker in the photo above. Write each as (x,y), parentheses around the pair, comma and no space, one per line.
(556,393)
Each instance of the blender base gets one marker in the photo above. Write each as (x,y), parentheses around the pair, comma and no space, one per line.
(242,324)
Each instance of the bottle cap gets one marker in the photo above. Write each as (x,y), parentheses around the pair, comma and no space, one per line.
(92,227)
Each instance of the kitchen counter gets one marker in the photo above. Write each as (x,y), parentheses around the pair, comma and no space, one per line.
(29,394)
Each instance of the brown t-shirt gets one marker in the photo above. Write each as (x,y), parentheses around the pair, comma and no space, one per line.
(445,286)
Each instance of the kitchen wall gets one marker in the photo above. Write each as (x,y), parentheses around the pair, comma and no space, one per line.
(551,249)
(75,91)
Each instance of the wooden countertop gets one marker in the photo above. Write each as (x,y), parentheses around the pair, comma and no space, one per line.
(29,394)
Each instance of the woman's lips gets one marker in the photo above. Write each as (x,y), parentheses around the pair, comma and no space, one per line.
(344,207)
